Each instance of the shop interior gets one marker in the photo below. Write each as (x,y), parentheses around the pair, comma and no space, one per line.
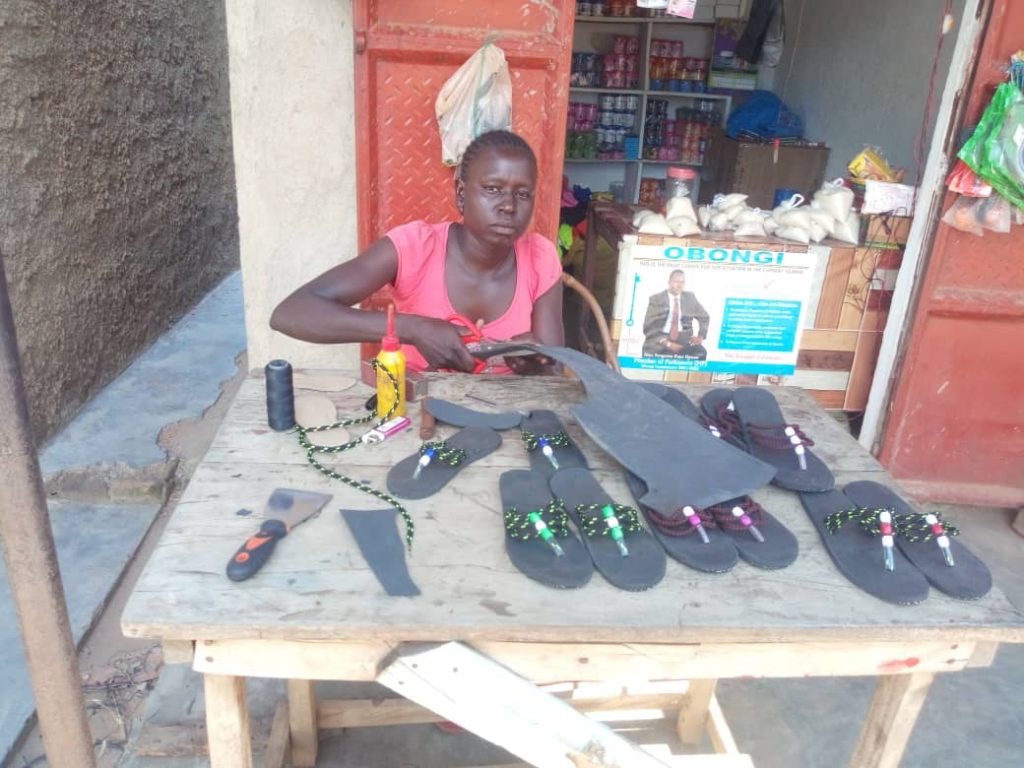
(772,107)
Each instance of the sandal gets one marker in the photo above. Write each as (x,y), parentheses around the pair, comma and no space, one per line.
(860,543)
(928,542)
(759,537)
(622,550)
(785,446)
(460,416)
(432,467)
(537,535)
(548,444)
(683,534)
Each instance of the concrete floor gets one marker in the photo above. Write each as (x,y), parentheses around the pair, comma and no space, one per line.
(145,715)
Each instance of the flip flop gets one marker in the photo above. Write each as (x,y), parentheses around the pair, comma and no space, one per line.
(447,459)
(530,512)
(543,430)
(770,438)
(759,537)
(622,551)
(859,553)
(919,535)
(460,416)
(681,540)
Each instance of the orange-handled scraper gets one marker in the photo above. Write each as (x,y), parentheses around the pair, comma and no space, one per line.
(285,509)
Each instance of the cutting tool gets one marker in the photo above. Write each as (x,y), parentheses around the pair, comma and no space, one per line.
(285,509)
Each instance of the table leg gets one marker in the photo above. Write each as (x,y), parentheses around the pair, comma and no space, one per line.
(303,720)
(227,721)
(894,710)
(693,711)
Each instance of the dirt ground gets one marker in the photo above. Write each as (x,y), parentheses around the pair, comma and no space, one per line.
(118,672)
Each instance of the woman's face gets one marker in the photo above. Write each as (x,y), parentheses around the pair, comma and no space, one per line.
(496,193)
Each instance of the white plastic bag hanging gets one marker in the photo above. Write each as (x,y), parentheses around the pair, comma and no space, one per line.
(476,99)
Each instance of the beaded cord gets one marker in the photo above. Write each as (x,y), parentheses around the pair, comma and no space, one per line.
(866,519)
(557,440)
(727,520)
(519,526)
(776,437)
(312,449)
(444,452)
(594,521)
(678,523)
(915,527)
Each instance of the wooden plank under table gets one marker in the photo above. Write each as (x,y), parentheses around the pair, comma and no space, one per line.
(316,612)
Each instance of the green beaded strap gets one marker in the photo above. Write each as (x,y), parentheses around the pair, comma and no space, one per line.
(556,440)
(312,449)
(441,451)
(551,519)
(916,528)
(866,518)
(603,519)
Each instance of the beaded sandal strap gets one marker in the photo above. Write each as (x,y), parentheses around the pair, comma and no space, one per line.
(546,523)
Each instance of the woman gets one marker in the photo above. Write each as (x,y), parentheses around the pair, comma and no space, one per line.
(485,268)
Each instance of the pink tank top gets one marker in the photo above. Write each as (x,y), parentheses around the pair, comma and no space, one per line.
(420,288)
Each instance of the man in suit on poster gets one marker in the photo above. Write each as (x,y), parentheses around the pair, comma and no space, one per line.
(668,324)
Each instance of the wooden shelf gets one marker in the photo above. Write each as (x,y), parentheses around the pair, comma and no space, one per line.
(620,91)
(642,20)
(679,94)
(597,160)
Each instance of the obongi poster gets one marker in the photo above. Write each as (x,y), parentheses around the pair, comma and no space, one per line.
(712,307)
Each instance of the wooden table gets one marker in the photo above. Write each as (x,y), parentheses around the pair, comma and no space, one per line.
(317,612)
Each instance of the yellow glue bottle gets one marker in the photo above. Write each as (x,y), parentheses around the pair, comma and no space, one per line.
(391,359)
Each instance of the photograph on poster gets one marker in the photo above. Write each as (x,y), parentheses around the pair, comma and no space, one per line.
(717,309)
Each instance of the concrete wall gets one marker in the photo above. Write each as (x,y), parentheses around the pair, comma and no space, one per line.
(117,198)
(857,71)
(292,106)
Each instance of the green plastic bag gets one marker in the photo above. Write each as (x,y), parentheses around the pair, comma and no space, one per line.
(996,150)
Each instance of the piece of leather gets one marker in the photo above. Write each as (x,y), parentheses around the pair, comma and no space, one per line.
(969,579)
(643,433)
(376,534)
(476,441)
(642,568)
(541,422)
(460,416)
(528,491)
(756,405)
(315,411)
(859,556)
(322,382)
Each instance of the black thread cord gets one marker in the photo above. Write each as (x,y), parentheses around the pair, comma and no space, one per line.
(312,449)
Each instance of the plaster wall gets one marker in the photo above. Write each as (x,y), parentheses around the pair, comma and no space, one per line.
(857,71)
(292,106)
(117,196)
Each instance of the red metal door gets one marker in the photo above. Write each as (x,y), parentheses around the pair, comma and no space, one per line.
(405,51)
(957,427)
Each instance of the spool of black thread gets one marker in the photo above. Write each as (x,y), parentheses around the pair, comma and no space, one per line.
(280,395)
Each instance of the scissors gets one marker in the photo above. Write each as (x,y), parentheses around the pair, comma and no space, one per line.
(479,345)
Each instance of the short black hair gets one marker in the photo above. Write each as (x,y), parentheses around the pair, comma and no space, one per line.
(675,272)
(495,140)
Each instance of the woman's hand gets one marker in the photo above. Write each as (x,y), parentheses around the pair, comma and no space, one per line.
(439,341)
(530,365)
